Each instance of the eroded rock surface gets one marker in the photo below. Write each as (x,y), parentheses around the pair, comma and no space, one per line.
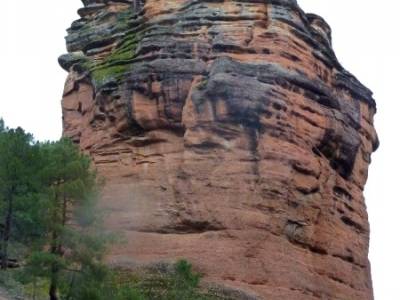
(230,135)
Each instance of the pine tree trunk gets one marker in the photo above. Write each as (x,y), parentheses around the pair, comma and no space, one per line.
(54,269)
(53,287)
(54,250)
(6,234)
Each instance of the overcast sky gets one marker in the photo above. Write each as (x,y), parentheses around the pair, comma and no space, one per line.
(366,39)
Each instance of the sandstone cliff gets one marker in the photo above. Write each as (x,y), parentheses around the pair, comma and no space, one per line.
(230,135)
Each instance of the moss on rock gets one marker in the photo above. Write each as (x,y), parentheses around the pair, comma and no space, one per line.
(112,67)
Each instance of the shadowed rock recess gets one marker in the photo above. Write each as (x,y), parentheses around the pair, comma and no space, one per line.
(230,135)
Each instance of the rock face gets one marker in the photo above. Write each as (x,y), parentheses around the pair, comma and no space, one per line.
(230,135)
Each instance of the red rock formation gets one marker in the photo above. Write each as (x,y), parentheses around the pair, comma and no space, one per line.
(230,135)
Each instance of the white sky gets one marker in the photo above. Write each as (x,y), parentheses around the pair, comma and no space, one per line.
(366,39)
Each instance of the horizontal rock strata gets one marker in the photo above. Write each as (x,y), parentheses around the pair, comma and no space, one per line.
(230,135)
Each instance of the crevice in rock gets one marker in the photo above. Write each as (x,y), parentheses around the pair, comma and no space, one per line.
(339,280)
(294,231)
(349,222)
(342,193)
(186,226)
(348,259)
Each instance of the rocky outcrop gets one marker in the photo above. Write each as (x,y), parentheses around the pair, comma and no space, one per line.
(229,134)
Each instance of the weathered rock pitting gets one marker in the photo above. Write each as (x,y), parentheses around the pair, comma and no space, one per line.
(229,134)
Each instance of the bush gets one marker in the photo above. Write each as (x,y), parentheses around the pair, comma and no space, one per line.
(177,283)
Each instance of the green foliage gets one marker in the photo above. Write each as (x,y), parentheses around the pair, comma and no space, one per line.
(68,183)
(16,152)
(18,165)
(47,206)
(10,283)
(48,198)
(181,283)
(99,282)
(176,284)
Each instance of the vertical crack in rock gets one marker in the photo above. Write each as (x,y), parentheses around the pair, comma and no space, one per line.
(228,134)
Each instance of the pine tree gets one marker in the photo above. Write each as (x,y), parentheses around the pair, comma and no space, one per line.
(48,205)
(17,151)
(68,185)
